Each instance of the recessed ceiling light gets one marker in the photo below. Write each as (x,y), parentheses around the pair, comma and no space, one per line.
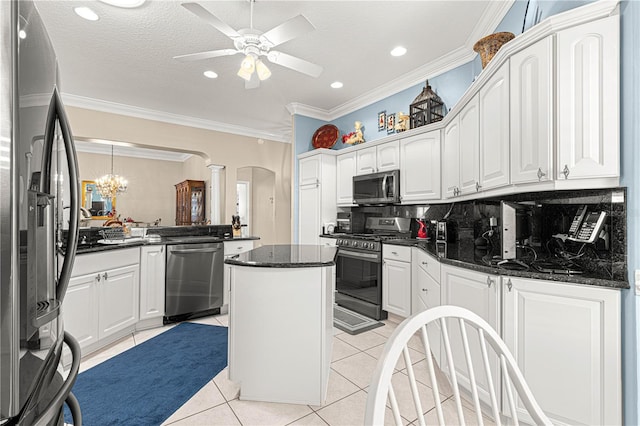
(398,51)
(124,3)
(86,13)
(336,85)
(210,74)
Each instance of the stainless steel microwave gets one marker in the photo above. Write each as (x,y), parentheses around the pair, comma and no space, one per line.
(377,188)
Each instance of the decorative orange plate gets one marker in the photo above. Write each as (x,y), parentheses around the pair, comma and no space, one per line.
(325,137)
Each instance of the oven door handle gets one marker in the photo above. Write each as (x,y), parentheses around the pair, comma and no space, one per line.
(359,255)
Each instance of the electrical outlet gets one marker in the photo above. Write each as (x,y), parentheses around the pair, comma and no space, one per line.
(637,282)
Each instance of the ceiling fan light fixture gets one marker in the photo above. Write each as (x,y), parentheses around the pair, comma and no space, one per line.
(262,70)
(248,63)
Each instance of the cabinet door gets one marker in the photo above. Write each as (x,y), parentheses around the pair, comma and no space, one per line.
(420,160)
(396,287)
(589,100)
(346,169)
(478,293)
(152,276)
(118,293)
(426,295)
(309,170)
(494,130)
(451,159)
(388,156)
(309,214)
(366,160)
(79,309)
(566,340)
(531,113)
(469,147)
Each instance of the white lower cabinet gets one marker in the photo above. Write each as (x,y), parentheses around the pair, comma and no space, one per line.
(396,280)
(566,340)
(102,302)
(152,283)
(232,248)
(478,292)
(425,288)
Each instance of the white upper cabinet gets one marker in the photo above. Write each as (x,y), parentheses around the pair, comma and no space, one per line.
(588,58)
(494,131)
(451,159)
(388,156)
(420,161)
(469,134)
(346,170)
(378,158)
(309,170)
(532,113)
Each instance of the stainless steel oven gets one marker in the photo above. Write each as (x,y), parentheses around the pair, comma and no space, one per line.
(359,265)
(359,276)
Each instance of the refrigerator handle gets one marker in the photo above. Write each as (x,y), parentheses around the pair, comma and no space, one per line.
(57,114)
(74,186)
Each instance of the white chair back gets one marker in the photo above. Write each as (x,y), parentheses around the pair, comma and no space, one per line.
(443,318)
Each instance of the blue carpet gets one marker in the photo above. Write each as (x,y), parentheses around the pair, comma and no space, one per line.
(147,383)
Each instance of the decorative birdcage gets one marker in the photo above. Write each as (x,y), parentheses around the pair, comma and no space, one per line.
(426,108)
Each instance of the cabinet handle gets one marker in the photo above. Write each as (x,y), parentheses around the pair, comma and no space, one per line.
(509,284)
(162,249)
(565,172)
(540,174)
(105,276)
(424,263)
(425,290)
(489,281)
(98,277)
(478,186)
(395,253)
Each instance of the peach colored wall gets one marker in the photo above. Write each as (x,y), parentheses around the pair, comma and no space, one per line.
(217,148)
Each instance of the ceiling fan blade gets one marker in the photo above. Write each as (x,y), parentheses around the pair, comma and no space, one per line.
(211,19)
(295,63)
(205,55)
(292,28)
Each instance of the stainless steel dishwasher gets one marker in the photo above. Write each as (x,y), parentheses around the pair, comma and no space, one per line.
(194,280)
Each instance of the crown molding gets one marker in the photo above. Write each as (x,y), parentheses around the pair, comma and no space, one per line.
(489,20)
(132,111)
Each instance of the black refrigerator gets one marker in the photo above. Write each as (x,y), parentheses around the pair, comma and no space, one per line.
(39,209)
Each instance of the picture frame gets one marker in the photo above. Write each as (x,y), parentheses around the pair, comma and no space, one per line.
(391,123)
(382,121)
(93,201)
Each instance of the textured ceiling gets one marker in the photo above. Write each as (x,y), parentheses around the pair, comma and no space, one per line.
(124,60)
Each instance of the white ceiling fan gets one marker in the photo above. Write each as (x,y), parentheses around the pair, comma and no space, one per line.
(254,44)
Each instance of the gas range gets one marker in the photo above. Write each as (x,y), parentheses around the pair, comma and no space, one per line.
(378,229)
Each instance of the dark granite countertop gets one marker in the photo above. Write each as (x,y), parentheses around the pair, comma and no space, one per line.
(286,256)
(467,256)
(95,247)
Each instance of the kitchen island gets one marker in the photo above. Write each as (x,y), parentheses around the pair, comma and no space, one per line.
(281,322)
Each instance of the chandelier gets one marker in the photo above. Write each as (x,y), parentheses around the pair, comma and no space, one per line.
(110,185)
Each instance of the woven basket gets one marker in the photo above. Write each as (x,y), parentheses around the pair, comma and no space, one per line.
(488,46)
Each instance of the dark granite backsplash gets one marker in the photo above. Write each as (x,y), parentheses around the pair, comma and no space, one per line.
(543,215)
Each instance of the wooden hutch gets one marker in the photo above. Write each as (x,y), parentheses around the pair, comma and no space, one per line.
(190,202)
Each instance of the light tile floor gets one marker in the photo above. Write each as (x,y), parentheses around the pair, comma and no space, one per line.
(353,362)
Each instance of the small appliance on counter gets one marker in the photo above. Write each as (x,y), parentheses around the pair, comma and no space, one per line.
(445,231)
(237,227)
(349,223)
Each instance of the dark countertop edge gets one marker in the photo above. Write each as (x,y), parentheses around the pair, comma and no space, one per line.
(231,261)
(572,279)
(108,247)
